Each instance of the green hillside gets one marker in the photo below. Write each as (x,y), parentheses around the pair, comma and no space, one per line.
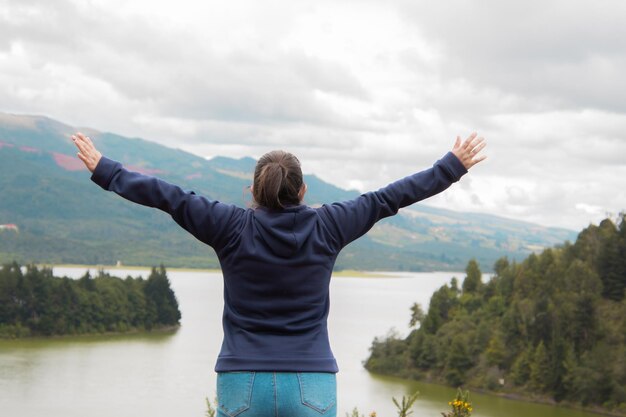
(64,218)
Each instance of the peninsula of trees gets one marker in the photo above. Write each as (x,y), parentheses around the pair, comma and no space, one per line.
(33,302)
(552,326)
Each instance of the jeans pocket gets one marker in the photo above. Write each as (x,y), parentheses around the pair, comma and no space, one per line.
(234,392)
(318,390)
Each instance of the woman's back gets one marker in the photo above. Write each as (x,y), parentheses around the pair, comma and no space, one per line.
(277,268)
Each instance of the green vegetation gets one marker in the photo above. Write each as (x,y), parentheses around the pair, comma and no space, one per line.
(460,405)
(551,327)
(404,406)
(33,302)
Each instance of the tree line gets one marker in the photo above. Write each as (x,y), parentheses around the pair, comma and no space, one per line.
(33,302)
(551,326)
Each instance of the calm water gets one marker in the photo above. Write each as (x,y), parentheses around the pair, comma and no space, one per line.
(170,374)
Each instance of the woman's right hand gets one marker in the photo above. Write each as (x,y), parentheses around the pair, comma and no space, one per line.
(87,152)
(468,151)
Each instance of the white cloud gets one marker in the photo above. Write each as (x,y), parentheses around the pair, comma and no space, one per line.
(565,53)
(363,92)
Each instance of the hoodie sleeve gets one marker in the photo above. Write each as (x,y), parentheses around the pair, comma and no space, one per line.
(205,219)
(349,220)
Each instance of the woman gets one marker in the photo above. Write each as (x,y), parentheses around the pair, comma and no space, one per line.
(277,259)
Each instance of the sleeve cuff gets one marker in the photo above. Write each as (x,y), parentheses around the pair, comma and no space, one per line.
(454,166)
(104,171)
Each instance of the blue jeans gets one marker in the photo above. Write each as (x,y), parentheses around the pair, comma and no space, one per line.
(276,394)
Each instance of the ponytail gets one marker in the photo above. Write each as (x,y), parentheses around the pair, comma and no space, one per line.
(277,180)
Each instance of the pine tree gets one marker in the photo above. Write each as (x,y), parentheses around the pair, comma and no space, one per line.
(496,350)
(520,371)
(458,362)
(442,303)
(417,315)
(540,369)
(473,280)
(611,258)
(160,294)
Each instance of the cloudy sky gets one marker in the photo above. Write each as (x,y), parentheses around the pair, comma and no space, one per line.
(362,91)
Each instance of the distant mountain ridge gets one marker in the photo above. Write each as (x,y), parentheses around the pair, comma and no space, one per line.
(64,218)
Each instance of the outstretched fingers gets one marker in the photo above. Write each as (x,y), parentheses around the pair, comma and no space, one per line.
(477,145)
(83,142)
(85,139)
(480,145)
(83,150)
(79,142)
(467,143)
(468,152)
(87,152)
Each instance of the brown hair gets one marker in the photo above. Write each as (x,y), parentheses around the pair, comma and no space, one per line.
(277,180)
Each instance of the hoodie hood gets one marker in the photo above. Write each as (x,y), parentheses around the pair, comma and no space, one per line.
(284,232)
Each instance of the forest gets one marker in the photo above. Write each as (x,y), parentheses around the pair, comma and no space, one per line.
(33,302)
(551,327)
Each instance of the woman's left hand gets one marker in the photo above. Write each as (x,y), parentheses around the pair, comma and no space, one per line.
(468,151)
(87,152)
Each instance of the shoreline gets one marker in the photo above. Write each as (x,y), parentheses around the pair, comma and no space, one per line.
(516,396)
(126,267)
(344,273)
(538,399)
(84,336)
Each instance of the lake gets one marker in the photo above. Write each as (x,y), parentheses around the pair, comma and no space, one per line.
(170,374)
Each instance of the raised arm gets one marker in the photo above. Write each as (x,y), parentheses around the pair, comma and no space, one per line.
(351,219)
(205,219)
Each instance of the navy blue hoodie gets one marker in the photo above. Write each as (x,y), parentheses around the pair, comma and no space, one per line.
(276,264)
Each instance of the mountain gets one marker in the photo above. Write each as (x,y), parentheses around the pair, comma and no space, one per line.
(64,218)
